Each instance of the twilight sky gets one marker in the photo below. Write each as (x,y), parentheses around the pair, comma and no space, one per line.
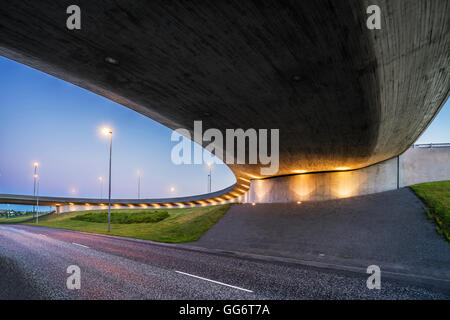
(57,124)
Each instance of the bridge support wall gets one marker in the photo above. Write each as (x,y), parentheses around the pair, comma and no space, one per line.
(416,165)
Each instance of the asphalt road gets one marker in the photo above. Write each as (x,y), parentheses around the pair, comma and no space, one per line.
(34,261)
(389,229)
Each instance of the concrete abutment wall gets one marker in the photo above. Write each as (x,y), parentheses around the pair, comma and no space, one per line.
(416,165)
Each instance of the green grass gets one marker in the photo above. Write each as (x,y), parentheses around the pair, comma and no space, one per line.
(20,218)
(436,196)
(181,225)
(139,216)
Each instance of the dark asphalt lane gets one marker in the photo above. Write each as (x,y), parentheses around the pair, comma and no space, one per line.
(33,263)
(389,229)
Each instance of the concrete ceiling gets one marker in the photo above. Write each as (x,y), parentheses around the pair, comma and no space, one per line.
(341,95)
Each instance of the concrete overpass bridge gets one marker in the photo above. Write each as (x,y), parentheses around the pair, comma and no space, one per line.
(64,204)
(344,97)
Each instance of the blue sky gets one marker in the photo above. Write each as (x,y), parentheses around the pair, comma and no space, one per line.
(439,129)
(57,124)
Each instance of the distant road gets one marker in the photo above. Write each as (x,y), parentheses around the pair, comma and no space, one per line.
(33,263)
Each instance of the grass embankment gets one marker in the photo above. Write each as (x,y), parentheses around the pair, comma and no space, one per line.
(177,225)
(20,218)
(436,196)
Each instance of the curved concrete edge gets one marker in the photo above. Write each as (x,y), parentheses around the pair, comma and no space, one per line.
(416,165)
(232,194)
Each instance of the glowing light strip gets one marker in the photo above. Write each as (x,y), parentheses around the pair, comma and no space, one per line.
(253,176)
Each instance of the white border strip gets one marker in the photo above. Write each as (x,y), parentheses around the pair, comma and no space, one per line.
(81,245)
(224,284)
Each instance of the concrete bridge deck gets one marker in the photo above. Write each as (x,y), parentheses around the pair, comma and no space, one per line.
(344,97)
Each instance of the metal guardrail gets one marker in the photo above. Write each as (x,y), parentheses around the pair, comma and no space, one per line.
(431,145)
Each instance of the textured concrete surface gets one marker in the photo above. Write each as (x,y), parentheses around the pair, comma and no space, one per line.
(389,229)
(341,95)
(326,185)
(416,165)
(113,268)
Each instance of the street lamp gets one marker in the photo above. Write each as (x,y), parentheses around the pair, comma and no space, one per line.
(139,183)
(107,131)
(209,176)
(34,185)
(37,198)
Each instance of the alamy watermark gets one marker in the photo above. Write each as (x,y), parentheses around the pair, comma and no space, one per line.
(73,22)
(374,20)
(374,280)
(73,282)
(230,150)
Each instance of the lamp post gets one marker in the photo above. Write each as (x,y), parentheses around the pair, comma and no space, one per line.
(139,184)
(34,185)
(209,176)
(37,199)
(109,132)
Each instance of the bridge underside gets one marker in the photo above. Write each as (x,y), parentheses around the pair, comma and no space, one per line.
(343,96)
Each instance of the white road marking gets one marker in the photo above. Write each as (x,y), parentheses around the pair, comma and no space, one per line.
(42,235)
(81,245)
(224,284)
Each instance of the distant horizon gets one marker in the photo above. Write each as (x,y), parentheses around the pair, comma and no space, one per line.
(25,208)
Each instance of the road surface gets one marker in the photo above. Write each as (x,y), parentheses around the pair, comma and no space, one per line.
(389,229)
(34,262)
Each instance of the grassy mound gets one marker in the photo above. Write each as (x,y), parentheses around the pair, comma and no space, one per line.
(182,224)
(142,216)
(436,196)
